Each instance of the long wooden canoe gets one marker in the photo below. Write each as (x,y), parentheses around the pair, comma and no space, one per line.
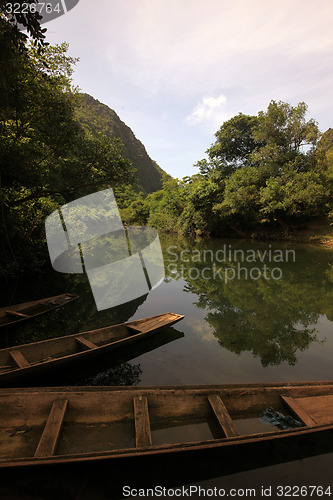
(11,315)
(71,424)
(39,357)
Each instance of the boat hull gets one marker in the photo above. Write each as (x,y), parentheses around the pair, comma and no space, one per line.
(96,417)
(31,360)
(16,314)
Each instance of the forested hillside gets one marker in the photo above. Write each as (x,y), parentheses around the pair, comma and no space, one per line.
(55,146)
(96,118)
(264,176)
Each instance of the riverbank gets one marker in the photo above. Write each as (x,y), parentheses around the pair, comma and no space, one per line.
(319,232)
(316,232)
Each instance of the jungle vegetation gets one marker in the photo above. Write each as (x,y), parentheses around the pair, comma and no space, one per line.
(270,173)
(264,174)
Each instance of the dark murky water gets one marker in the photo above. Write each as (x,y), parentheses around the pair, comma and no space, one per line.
(254,312)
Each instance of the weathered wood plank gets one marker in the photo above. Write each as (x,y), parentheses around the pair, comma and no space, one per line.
(223,416)
(146,327)
(153,323)
(85,343)
(19,359)
(51,433)
(142,424)
(17,314)
(320,408)
(298,411)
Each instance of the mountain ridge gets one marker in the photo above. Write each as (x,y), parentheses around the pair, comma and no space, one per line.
(95,117)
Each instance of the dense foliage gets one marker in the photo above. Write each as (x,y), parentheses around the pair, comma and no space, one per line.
(46,157)
(264,173)
(29,18)
(270,172)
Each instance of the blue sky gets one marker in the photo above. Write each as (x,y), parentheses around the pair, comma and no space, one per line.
(174,70)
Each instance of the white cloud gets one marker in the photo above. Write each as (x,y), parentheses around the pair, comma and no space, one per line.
(209,111)
(163,65)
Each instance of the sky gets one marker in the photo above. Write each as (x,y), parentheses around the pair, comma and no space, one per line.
(175,70)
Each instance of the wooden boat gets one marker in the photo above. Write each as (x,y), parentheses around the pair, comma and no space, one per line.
(30,359)
(10,315)
(87,424)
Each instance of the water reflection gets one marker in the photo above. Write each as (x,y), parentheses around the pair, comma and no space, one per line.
(78,316)
(272,315)
(123,374)
(115,369)
(273,320)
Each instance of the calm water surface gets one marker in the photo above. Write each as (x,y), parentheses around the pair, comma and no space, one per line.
(254,312)
(238,327)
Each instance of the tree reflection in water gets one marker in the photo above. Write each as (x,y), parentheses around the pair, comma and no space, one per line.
(123,374)
(271,318)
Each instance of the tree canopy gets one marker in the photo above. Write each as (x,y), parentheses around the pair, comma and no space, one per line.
(27,18)
(234,143)
(268,172)
(46,157)
(263,173)
(275,136)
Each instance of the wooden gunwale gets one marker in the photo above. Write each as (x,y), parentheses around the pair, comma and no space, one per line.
(309,388)
(164,449)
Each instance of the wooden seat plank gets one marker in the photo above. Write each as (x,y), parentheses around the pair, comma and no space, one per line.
(48,441)
(298,411)
(152,324)
(17,314)
(85,343)
(142,424)
(223,416)
(19,359)
(319,408)
(144,328)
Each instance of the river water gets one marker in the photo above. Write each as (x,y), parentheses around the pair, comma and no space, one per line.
(254,312)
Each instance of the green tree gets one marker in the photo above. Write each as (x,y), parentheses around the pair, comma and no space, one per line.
(284,131)
(326,141)
(28,18)
(286,126)
(294,197)
(166,205)
(43,148)
(234,143)
(198,217)
(45,156)
(268,169)
(240,207)
(325,164)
